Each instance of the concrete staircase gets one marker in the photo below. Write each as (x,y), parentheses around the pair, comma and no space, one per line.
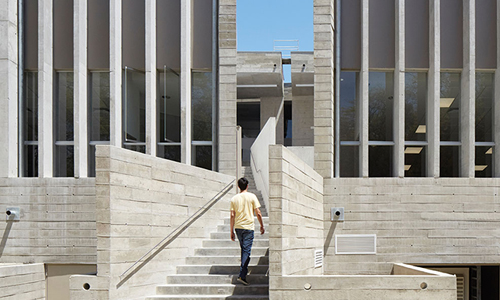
(247,173)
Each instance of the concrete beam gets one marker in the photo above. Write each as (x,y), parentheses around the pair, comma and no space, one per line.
(115,68)
(45,89)
(433,125)
(399,91)
(363,89)
(186,64)
(151,82)
(80,88)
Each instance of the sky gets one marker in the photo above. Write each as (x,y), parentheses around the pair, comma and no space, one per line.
(260,22)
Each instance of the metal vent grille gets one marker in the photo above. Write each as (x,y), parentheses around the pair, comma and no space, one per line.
(318,258)
(460,288)
(356,244)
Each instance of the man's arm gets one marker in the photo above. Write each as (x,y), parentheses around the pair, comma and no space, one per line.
(259,217)
(232,225)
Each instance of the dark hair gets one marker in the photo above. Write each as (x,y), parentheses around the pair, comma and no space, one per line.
(243,183)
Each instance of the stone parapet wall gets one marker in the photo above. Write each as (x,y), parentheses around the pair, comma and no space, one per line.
(22,282)
(140,201)
(417,221)
(57,220)
(296,204)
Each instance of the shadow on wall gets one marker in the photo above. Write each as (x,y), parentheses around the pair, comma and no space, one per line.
(329,236)
(5,236)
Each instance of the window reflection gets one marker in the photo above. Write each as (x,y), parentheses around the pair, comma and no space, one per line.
(134,110)
(381,91)
(169,115)
(484,161)
(450,161)
(349,107)
(63,125)
(349,161)
(30,124)
(415,106)
(484,107)
(201,115)
(415,158)
(450,106)
(380,161)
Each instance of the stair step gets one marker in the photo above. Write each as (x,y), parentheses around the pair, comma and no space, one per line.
(208,297)
(220,269)
(226,235)
(215,279)
(233,251)
(229,243)
(218,260)
(226,228)
(212,289)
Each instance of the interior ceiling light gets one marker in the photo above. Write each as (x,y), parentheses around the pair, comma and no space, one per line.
(421,129)
(490,151)
(413,150)
(407,167)
(446,102)
(480,168)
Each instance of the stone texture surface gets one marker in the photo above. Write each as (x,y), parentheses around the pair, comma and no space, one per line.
(227,87)
(57,222)
(140,200)
(22,282)
(416,220)
(295,214)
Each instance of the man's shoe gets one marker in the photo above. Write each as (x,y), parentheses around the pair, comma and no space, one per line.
(242,281)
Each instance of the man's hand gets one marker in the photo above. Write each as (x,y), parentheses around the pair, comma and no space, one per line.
(233,237)
(262,230)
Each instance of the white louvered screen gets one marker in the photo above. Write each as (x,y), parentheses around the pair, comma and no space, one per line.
(460,288)
(318,258)
(355,244)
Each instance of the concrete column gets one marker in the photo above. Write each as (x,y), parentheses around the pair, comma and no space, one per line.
(151,136)
(496,105)
(9,69)
(324,52)
(273,107)
(363,90)
(115,69)
(80,88)
(399,91)
(186,61)
(227,87)
(468,111)
(433,89)
(45,89)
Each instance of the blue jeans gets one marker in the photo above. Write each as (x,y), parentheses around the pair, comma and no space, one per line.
(246,239)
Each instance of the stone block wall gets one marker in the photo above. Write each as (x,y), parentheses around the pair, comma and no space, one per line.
(295,218)
(445,221)
(140,201)
(22,282)
(57,222)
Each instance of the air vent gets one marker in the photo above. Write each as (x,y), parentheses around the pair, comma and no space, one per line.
(318,258)
(356,244)
(460,288)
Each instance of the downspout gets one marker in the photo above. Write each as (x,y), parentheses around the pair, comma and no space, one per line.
(20,92)
(337,88)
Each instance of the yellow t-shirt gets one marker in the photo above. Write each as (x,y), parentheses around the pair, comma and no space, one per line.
(244,205)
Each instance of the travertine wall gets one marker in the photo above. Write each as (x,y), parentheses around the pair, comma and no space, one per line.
(417,221)
(140,200)
(295,214)
(22,282)
(57,222)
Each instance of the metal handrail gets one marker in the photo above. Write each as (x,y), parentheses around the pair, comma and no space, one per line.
(181,228)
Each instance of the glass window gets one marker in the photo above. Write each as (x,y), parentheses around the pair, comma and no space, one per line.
(381,95)
(415,165)
(98,114)
(349,108)
(134,110)
(450,107)
(201,115)
(169,115)
(484,107)
(30,124)
(349,162)
(450,161)
(63,125)
(415,106)
(484,161)
(380,161)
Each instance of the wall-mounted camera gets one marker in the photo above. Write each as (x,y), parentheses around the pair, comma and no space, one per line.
(337,214)
(13,214)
